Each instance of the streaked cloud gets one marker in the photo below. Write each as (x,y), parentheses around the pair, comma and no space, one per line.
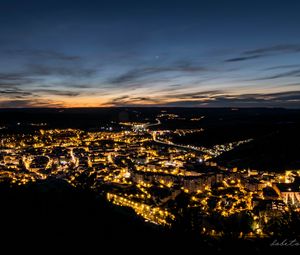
(42,54)
(243,58)
(30,103)
(140,73)
(265,52)
(288,74)
(275,49)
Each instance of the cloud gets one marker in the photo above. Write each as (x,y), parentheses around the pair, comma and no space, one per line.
(43,54)
(292,73)
(289,95)
(128,100)
(265,52)
(140,73)
(42,75)
(57,92)
(118,100)
(197,95)
(216,98)
(46,70)
(238,59)
(289,99)
(156,99)
(8,80)
(29,103)
(281,67)
(142,99)
(15,93)
(45,67)
(282,48)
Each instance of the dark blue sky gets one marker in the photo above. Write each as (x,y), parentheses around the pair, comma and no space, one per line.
(171,53)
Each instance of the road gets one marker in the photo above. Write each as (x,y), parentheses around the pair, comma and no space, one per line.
(158,122)
(188,147)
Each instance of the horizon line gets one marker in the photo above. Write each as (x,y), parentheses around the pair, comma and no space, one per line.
(153,106)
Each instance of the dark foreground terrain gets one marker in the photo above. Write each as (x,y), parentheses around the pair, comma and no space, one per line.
(52,217)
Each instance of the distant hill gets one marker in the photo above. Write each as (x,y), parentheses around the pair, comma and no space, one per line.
(277,151)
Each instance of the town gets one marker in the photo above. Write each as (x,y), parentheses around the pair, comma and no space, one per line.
(137,165)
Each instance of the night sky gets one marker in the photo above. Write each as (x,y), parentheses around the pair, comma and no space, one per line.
(149,53)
